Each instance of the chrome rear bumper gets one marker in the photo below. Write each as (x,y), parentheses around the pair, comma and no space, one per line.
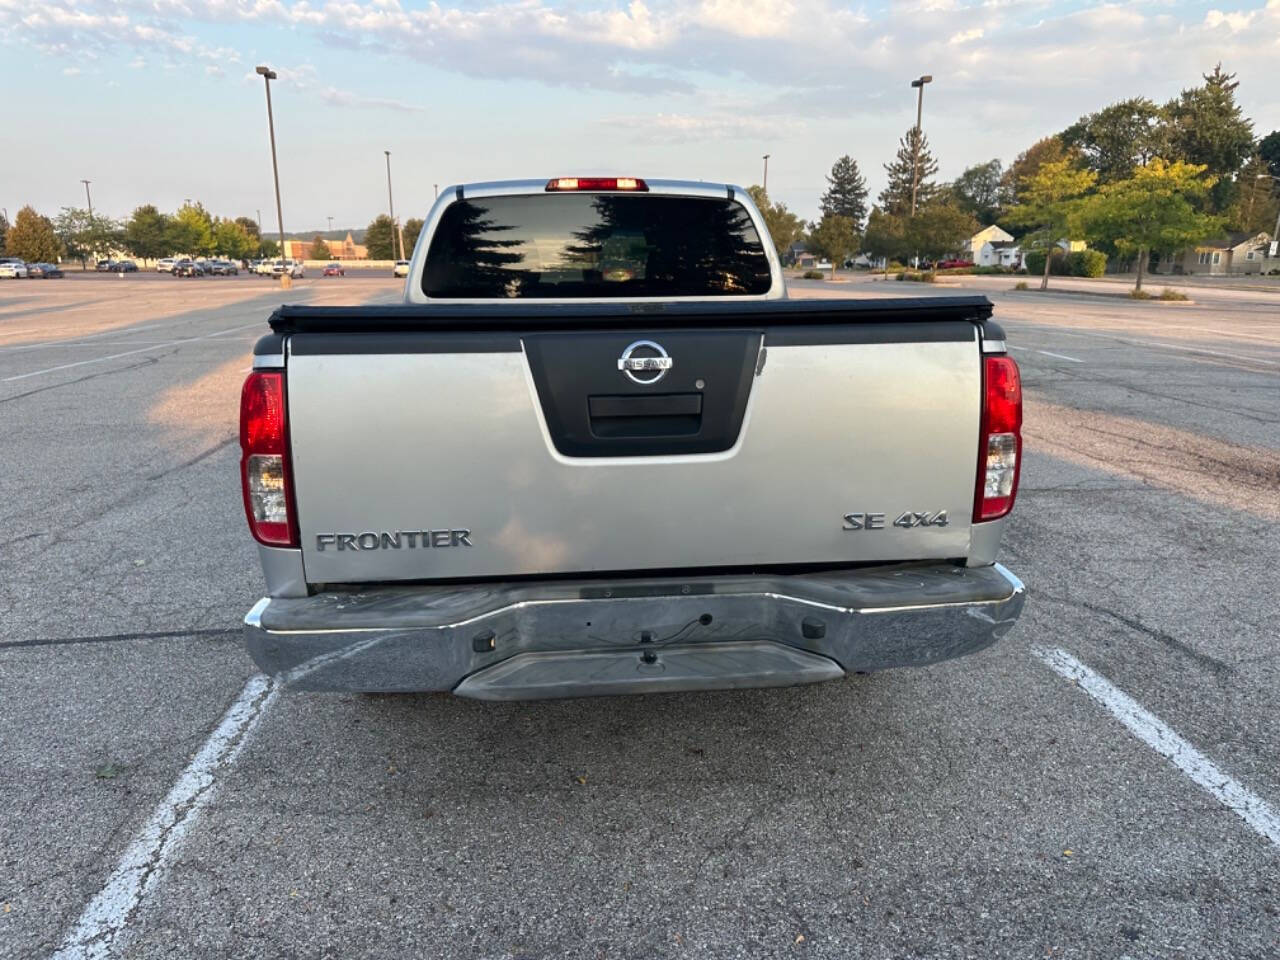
(592,637)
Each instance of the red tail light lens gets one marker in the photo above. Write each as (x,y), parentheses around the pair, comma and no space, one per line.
(597,183)
(1000,440)
(264,461)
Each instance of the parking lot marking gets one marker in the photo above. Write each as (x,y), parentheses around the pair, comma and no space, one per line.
(147,856)
(1047,353)
(128,353)
(1164,346)
(1158,735)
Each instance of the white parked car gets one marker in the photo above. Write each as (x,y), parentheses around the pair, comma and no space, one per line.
(292,267)
(401,269)
(13,268)
(166,265)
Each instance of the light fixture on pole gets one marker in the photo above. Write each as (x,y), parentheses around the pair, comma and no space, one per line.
(267,74)
(915,153)
(765,182)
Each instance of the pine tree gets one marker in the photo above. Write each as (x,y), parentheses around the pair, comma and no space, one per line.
(1210,129)
(847,194)
(896,196)
(33,238)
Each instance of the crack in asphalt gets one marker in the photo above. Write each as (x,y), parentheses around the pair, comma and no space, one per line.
(119,637)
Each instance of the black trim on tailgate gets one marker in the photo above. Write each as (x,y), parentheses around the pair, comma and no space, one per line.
(330,344)
(534,315)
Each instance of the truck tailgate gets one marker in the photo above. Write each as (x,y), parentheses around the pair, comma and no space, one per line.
(449,450)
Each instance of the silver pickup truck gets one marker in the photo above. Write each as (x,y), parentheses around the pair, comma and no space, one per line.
(597,450)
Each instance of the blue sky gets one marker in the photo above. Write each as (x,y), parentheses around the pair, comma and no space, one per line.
(155,100)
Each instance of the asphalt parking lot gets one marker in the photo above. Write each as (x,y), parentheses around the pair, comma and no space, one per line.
(1102,783)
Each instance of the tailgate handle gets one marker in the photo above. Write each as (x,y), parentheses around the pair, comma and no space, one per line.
(660,405)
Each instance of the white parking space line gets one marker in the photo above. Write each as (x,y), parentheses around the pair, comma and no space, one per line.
(148,855)
(128,353)
(1047,353)
(1164,346)
(1157,734)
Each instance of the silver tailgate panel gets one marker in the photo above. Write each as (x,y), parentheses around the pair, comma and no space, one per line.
(457,441)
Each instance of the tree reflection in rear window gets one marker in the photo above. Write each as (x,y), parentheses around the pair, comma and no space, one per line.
(566,245)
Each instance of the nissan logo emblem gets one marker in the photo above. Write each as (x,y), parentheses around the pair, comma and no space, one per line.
(645,357)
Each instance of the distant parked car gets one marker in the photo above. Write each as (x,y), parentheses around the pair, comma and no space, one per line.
(955,264)
(105,266)
(401,269)
(263,268)
(44,271)
(334,270)
(187,268)
(125,266)
(216,268)
(293,268)
(13,268)
(166,265)
(822,265)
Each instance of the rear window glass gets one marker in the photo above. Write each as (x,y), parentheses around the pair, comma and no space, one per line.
(595,245)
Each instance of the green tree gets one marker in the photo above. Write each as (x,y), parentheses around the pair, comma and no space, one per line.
(1118,138)
(1269,150)
(784,227)
(4,230)
(1210,129)
(33,238)
(1052,199)
(250,227)
(896,196)
(191,231)
(146,233)
(380,238)
(885,237)
(982,191)
(319,249)
(1029,161)
(232,240)
(1152,212)
(412,228)
(846,192)
(86,236)
(833,237)
(1257,199)
(268,248)
(939,229)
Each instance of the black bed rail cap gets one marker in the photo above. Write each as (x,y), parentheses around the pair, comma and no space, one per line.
(535,314)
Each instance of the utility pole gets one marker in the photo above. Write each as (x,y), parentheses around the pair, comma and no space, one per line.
(1275,237)
(436,188)
(330,219)
(915,159)
(765,182)
(268,75)
(88,199)
(395,227)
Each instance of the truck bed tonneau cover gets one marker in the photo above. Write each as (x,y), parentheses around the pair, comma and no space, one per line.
(386,318)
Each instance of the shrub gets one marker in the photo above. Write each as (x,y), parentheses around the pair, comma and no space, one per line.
(814,275)
(1139,295)
(1086,263)
(1034,260)
(916,276)
(1022,284)
(1167,294)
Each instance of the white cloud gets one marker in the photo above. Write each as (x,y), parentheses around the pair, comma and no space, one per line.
(964,36)
(71,71)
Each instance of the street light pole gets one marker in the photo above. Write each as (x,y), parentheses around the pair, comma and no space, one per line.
(435,187)
(765,183)
(1275,237)
(88,198)
(268,75)
(330,219)
(395,229)
(915,153)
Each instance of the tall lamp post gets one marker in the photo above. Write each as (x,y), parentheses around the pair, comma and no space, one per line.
(765,182)
(1275,237)
(395,228)
(915,157)
(267,74)
(89,200)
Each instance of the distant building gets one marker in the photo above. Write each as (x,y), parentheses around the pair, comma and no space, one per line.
(999,253)
(346,249)
(992,234)
(1235,253)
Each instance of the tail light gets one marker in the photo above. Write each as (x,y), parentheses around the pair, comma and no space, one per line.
(264,461)
(597,183)
(1000,440)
